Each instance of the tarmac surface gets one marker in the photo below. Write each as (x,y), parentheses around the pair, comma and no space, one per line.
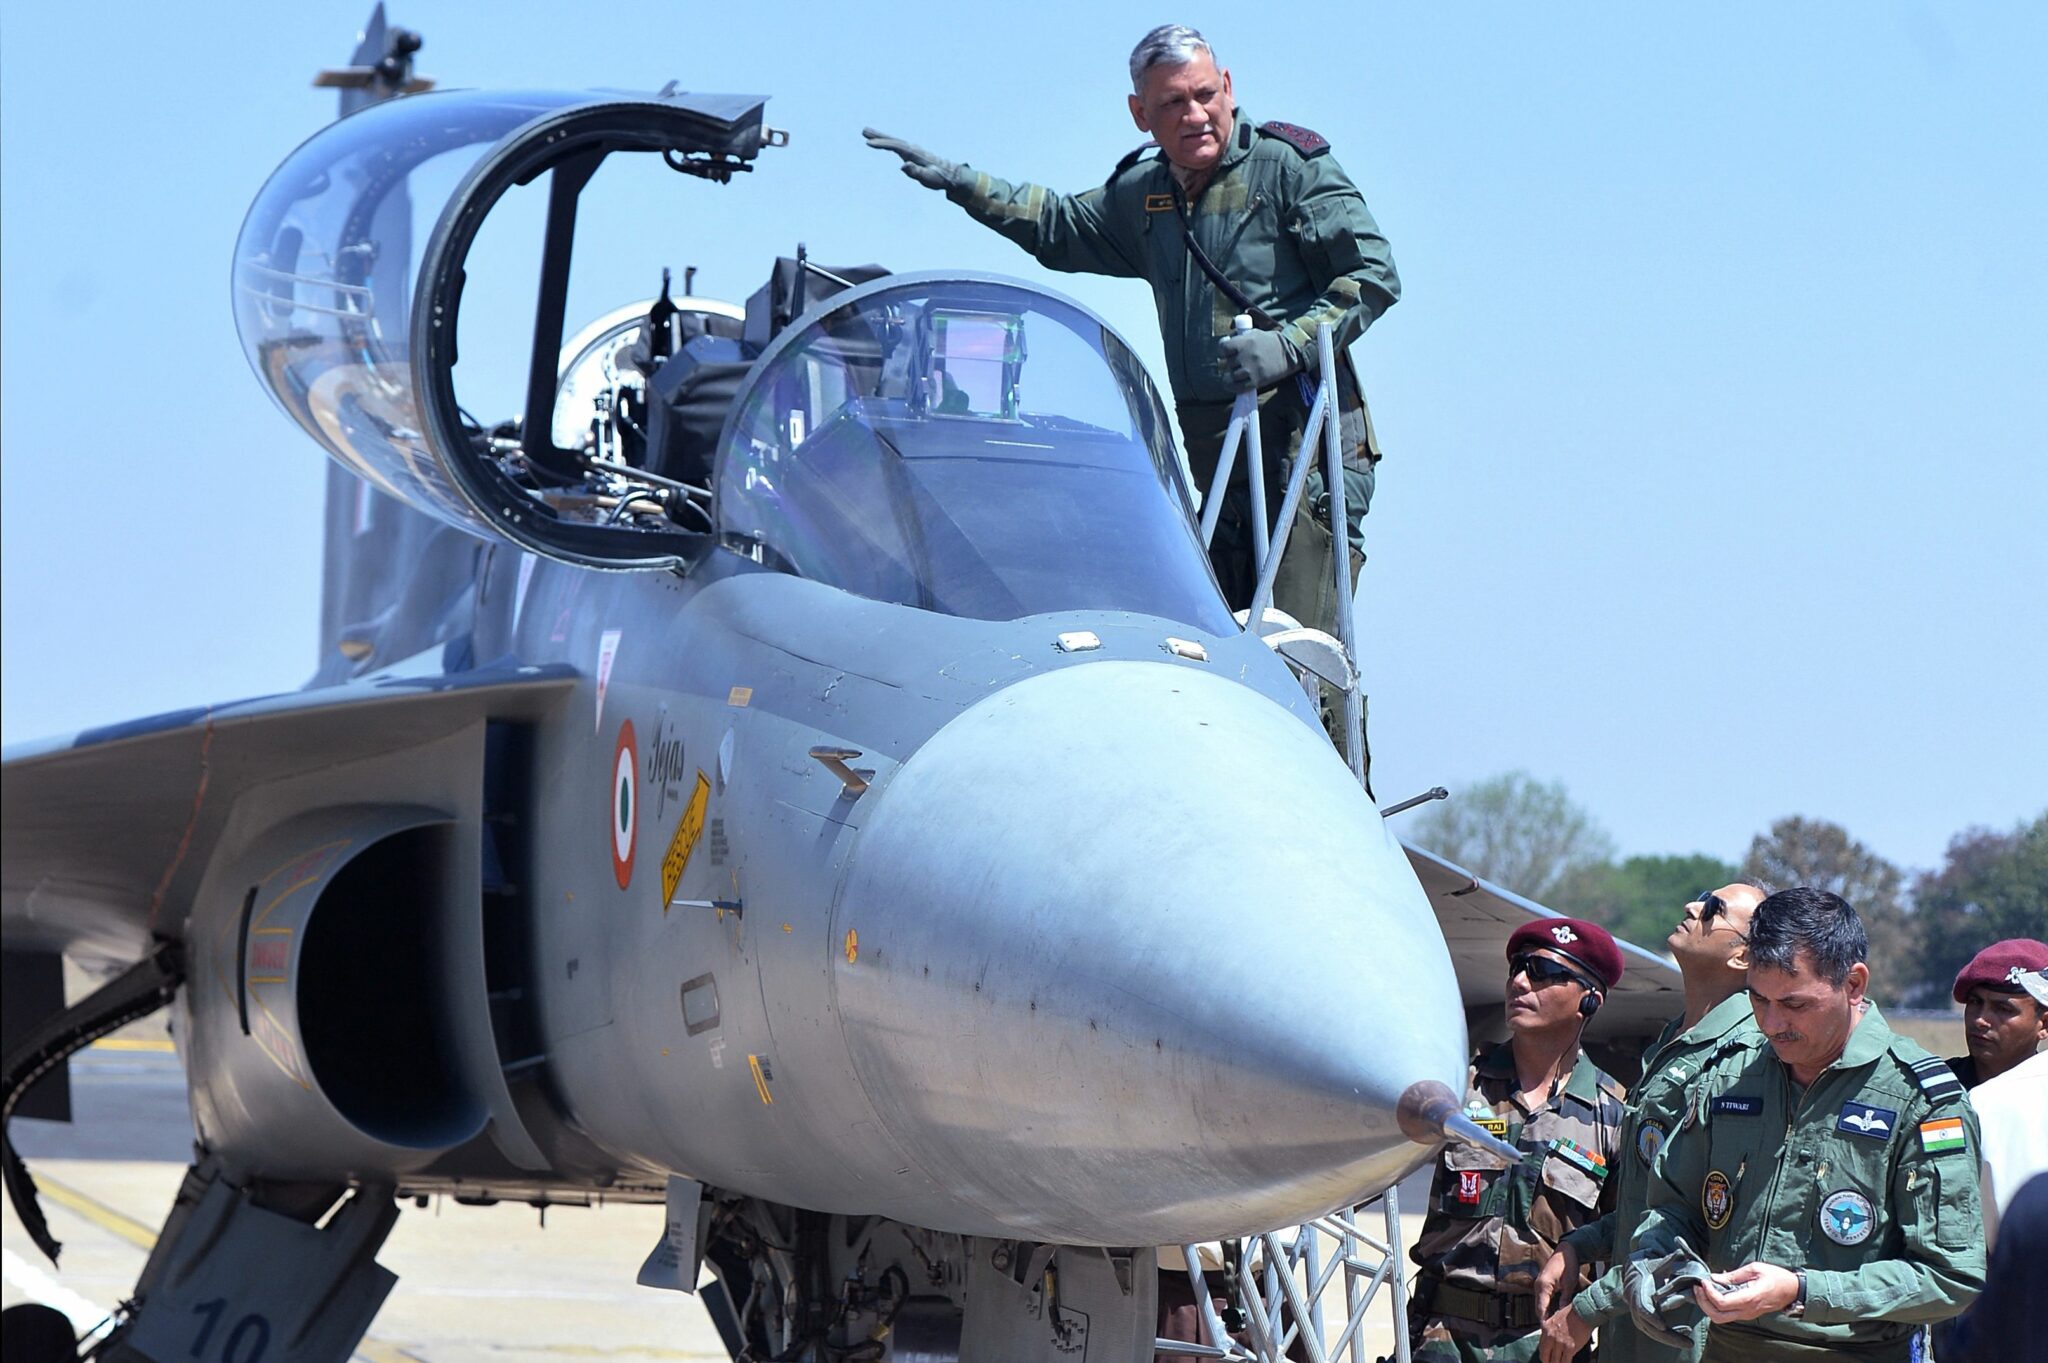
(476,1284)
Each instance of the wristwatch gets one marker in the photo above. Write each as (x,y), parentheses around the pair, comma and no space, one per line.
(1798,1307)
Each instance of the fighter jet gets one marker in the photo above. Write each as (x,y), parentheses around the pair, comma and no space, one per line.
(796,766)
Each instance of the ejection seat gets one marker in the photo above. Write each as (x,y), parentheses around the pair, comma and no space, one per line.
(690,393)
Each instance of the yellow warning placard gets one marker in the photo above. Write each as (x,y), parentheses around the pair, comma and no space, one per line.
(688,829)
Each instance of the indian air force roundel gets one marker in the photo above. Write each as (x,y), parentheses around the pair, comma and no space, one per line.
(625,803)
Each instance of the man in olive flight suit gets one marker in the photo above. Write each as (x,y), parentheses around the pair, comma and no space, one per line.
(1710,944)
(1492,1224)
(1227,218)
(1830,1179)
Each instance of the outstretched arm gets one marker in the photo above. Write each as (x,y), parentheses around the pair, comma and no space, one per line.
(1069,232)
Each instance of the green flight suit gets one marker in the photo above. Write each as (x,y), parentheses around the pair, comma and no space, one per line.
(1657,1104)
(1867,1180)
(1283,223)
(1491,1225)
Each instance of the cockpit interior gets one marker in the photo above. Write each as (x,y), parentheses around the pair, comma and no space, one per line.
(962,444)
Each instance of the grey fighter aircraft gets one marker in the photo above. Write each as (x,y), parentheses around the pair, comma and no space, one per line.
(797,766)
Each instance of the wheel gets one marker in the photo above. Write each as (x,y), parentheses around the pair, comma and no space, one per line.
(35,1333)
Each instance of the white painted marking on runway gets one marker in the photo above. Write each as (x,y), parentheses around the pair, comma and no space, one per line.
(31,1281)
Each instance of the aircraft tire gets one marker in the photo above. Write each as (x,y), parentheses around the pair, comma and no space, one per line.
(34,1333)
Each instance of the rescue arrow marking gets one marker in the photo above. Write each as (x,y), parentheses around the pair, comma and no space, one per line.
(607,652)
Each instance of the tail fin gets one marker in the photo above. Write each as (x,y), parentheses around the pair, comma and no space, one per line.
(393,580)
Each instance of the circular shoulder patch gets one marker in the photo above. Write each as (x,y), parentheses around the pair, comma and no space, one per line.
(1717,1200)
(1649,1140)
(1846,1217)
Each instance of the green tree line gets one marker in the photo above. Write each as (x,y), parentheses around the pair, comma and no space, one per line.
(1529,836)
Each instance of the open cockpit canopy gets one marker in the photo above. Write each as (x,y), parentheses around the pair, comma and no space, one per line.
(965,445)
(349,278)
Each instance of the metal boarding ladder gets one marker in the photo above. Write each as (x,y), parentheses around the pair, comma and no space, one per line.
(1306,650)
(1282,1283)
(1285,1277)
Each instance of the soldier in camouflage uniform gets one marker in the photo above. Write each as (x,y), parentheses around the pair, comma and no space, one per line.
(1830,1178)
(1492,1225)
(1710,946)
(1271,211)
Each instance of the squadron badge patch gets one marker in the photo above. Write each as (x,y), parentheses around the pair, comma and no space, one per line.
(1717,1200)
(1470,1186)
(1846,1217)
(1649,1140)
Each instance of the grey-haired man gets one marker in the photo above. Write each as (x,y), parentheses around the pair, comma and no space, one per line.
(1220,217)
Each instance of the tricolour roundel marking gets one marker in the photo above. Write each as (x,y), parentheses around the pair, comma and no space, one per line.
(625,804)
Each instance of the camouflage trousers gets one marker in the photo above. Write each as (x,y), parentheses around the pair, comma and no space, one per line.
(1438,1342)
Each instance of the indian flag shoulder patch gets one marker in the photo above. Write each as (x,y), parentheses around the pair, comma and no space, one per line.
(1945,1133)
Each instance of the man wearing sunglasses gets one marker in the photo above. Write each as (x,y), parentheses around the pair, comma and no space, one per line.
(1710,943)
(1490,1224)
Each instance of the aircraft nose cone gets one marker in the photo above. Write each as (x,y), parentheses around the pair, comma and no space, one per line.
(1139,963)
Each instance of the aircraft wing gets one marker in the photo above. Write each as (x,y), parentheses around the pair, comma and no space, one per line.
(1477,916)
(104,834)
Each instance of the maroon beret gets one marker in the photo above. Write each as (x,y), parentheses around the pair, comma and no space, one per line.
(1586,943)
(2001,964)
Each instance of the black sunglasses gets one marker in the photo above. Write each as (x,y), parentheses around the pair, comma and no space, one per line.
(1710,904)
(1543,972)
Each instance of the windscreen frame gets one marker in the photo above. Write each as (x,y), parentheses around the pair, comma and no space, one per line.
(562,138)
(1153,428)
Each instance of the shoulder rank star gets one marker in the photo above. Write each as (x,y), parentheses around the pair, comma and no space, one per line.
(1303,140)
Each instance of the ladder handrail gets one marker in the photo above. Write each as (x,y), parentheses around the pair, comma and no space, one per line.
(1289,1306)
(1270,540)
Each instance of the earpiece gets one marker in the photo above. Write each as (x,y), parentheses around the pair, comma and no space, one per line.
(1590,1004)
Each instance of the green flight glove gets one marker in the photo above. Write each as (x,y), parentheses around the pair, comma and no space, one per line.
(1257,359)
(931,171)
(1659,1288)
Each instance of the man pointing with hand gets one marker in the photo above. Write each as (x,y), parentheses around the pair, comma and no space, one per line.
(1221,218)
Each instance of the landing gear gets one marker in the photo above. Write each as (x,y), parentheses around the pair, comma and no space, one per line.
(268,1273)
(35,1333)
(804,1287)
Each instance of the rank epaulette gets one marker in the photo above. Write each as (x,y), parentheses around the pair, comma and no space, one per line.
(1294,135)
(1131,159)
(1935,1078)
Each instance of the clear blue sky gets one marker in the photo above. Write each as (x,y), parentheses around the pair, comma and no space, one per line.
(1714,411)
